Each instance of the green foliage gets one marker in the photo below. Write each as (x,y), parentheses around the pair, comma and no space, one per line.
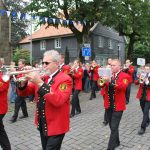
(130,18)
(142,50)
(67,58)
(77,10)
(21,54)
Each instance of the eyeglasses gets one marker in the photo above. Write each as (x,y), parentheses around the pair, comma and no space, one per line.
(46,63)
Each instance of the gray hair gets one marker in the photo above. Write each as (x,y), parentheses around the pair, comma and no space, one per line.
(55,56)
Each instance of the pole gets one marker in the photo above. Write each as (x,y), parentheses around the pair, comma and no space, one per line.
(31,43)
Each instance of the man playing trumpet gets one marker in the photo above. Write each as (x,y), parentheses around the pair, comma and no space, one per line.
(53,100)
(20,99)
(144,96)
(93,71)
(114,101)
(129,69)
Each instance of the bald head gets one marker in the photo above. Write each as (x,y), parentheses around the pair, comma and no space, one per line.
(115,65)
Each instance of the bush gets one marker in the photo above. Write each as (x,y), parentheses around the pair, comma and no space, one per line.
(21,54)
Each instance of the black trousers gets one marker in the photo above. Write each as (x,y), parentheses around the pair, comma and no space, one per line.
(114,118)
(105,116)
(75,102)
(93,89)
(51,142)
(4,141)
(128,92)
(20,103)
(145,106)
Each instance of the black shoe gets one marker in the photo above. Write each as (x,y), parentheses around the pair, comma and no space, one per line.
(118,144)
(90,98)
(105,122)
(12,120)
(147,124)
(127,102)
(77,113)
(94,96)
(141,131)
(71,115)
(22,117)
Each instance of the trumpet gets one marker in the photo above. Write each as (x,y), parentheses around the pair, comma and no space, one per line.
(142,78)
(6,75)
(101,81)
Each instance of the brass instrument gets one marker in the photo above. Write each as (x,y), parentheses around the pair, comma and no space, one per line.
(92,68)
(142,78)
(126,67)
(6,75)
(101,81)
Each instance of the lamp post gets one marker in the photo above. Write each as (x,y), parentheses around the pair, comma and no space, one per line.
(31,49)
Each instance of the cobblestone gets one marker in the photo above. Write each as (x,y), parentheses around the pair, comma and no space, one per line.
(87,131)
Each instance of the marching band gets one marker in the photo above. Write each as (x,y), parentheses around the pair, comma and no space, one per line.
(53,88)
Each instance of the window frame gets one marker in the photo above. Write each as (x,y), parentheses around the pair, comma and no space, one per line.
(43,45)
(57,45)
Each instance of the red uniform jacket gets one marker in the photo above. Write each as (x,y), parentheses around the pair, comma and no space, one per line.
(77,76)
(130,73)
(122,82)
(4,86)
(140,90)
(95,73)
(66,69)
(56,102)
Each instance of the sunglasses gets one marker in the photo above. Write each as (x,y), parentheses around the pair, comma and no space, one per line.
(46,63)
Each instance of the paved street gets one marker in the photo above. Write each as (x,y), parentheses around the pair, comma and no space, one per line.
(87,131)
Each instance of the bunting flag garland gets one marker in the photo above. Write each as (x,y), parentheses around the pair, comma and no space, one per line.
(26,16)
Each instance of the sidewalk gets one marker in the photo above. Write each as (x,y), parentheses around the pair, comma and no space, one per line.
(87,131)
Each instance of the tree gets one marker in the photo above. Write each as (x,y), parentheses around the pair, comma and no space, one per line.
(67,58)
(142,50)
(130,18)
(18,25)
(87,12)
(21,54)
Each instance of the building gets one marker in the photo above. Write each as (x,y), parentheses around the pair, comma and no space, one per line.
(105,42)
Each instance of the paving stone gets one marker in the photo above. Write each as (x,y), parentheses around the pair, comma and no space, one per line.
(86,130)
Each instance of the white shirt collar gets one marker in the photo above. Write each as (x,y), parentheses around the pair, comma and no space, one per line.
(60,66)
(50,77)
(77,68)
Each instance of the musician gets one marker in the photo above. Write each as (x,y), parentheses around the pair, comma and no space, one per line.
(64,67)
(2,66)
(4,86)
(143,95)
(109,60)
(77,74)
(53,101)
(129,69)
(93,70)
(114,101)
(20,99)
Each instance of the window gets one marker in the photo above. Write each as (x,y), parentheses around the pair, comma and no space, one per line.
(43,45)
(110,44)
(100,41)
(58,43)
